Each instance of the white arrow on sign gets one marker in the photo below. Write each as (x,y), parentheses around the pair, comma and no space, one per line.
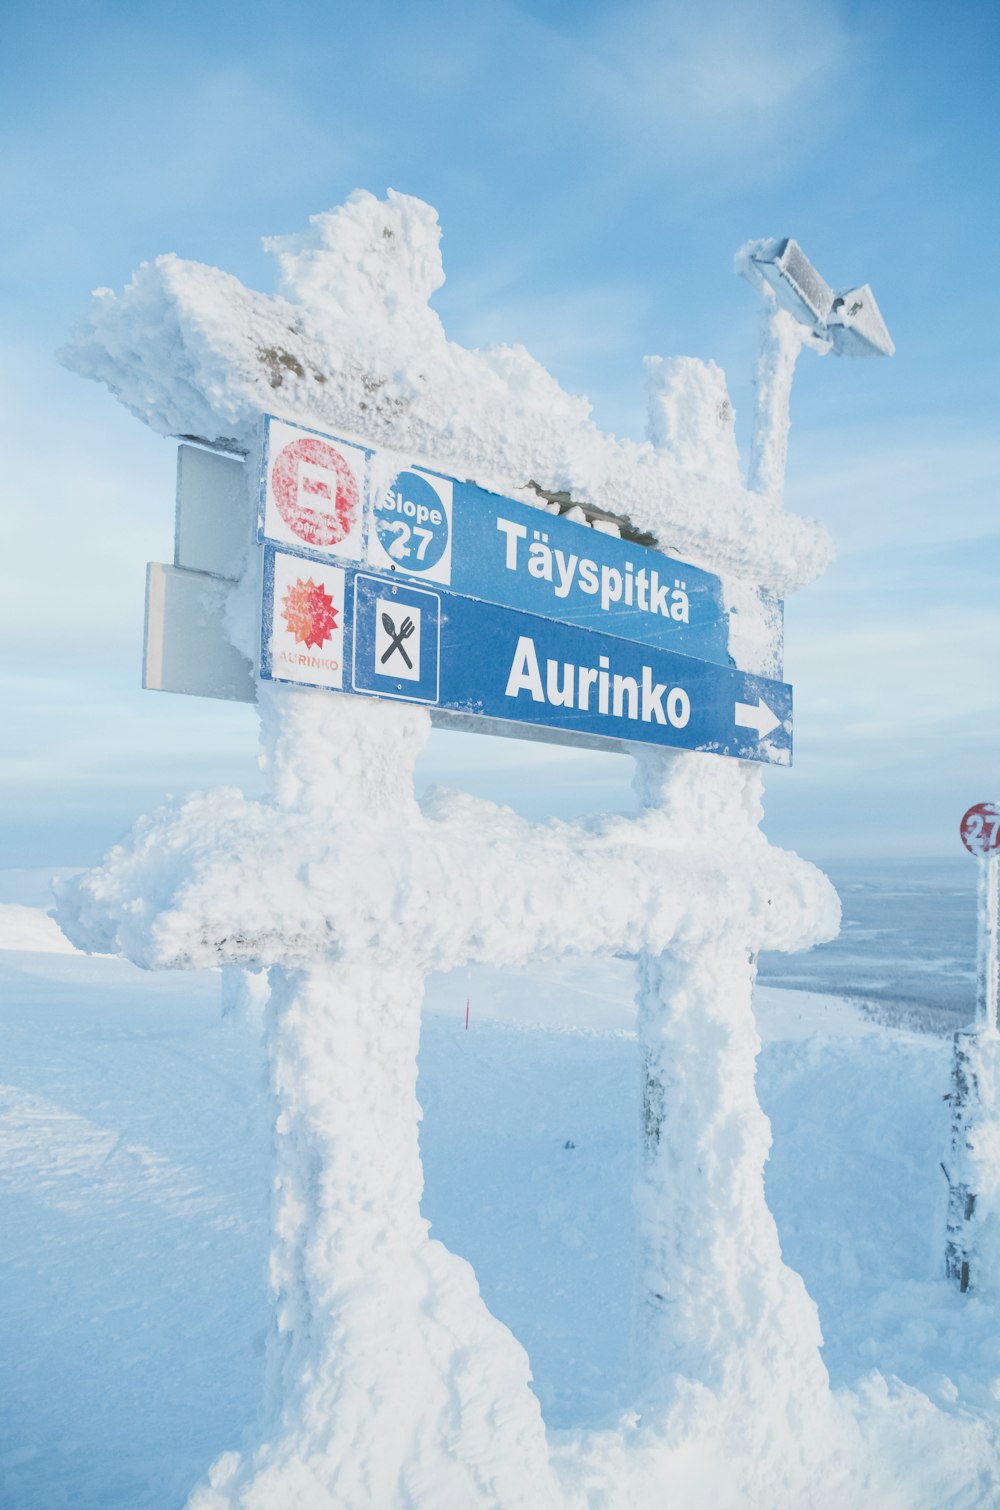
(757,717)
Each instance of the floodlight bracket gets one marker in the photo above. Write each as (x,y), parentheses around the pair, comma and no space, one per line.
(849,322)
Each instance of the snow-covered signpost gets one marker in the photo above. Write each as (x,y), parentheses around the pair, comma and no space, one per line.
(337,547)
(700,1110)
(972,1251)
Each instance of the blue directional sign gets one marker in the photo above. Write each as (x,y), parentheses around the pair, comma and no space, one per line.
(317,495)
(364,632)
(485,546)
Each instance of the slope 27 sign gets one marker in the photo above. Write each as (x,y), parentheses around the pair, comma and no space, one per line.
(432,590)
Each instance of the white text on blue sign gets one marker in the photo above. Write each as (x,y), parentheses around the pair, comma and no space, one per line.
(316,495)
(370,633)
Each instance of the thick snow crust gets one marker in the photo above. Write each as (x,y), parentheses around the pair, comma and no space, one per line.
(344,861)
(390,1381)
(351,345)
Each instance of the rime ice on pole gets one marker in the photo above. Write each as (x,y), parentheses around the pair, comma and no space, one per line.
(972,1247)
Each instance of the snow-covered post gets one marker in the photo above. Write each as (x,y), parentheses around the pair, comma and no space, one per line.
(988,942)
(712,1282)
(707,1296)
(383,1355)
(972,1249)
(342,1039)
(781,340)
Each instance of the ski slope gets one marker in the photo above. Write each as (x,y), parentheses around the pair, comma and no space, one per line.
(135,1158)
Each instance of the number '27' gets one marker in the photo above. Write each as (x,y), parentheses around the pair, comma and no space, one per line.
(400,547)
(978,824)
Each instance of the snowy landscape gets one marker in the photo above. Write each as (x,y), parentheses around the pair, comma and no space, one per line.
(569,1287)
(136,1145)
(495,1013)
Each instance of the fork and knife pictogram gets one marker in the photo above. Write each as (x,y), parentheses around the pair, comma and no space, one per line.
(397,637)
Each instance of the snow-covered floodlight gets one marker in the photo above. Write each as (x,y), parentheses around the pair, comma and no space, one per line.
(801,309)
(797,286)
(850,321)
(856,326)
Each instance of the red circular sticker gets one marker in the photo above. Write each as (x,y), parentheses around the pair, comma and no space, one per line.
(980,829)
(315,491)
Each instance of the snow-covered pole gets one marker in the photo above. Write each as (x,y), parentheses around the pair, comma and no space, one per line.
(799,309)
(365,1303)
(781,340)
(988,943)
(704,1136)
(712,1285)
(972,1247)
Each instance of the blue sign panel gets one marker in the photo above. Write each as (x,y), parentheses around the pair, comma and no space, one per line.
(485,546)
(396,639)
(317,495)
(412,523)
(370,633)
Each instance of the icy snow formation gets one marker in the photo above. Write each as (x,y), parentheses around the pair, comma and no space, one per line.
(782,338)
(391,1383)
(352,346)
(223,880)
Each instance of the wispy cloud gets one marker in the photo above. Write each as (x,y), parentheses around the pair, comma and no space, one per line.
(876,488)
(686,86)
(717,69)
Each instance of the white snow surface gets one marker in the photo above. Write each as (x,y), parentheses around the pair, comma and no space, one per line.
(351,345)
(23,927)
(135,1132)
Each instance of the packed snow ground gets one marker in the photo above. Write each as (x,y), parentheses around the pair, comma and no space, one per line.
(135,1159)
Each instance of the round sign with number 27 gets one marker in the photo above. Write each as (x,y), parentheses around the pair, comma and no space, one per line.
(980,829)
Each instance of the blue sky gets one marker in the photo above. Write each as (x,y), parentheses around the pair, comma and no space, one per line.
(595,167)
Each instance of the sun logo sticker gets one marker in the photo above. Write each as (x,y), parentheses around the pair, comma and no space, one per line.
(306,622)
(309,613)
